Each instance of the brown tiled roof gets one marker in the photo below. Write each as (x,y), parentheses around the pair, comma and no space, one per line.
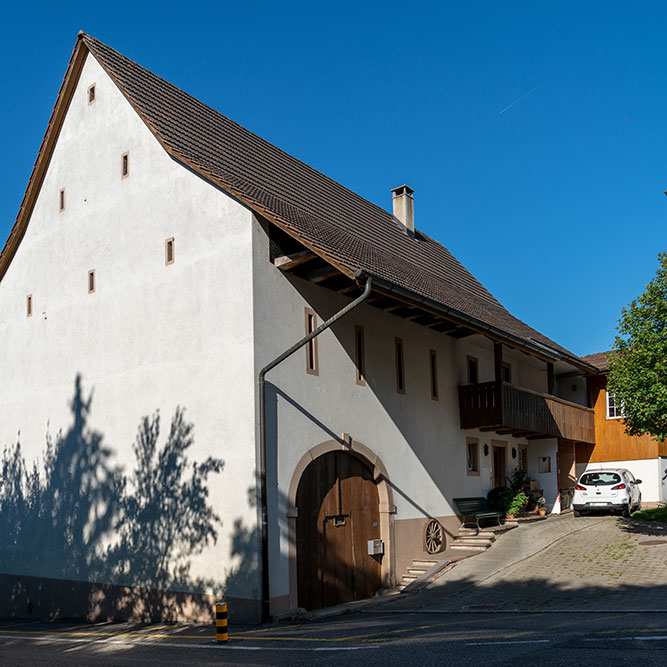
(599,360)
(339,225)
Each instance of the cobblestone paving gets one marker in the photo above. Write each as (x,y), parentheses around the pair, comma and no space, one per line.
(595,563)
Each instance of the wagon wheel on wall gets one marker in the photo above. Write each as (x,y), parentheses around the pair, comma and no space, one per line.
(434,537)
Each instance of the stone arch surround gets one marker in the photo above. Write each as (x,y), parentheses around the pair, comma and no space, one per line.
(385,497)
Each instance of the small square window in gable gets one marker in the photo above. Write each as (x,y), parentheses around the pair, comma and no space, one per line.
(169,251)
(91,281)
(124,165)
(91,94)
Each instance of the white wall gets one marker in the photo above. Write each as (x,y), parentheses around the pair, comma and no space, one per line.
(419,440)
(573,389)
(151,336)
(548,481)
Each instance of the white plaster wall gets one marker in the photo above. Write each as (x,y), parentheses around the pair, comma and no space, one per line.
(573,389)
(525,371)
(548,481)
(474,346)
(418,439)
(151,336)
(650,471)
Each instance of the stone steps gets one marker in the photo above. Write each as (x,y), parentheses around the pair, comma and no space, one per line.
(418,567)
(467,539)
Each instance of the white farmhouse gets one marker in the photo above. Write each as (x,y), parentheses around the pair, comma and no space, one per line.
(162,257)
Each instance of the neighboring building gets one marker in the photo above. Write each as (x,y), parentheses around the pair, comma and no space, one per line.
(162,256)
(643,456)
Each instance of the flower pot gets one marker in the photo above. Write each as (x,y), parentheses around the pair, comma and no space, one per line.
(542,511)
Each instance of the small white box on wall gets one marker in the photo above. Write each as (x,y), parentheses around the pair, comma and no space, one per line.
(375,547)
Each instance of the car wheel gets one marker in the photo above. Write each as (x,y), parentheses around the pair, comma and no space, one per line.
(626,512)
(576,513)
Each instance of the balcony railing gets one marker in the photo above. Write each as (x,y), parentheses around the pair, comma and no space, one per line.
(504,407)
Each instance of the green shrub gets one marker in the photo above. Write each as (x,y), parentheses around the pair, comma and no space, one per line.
(518,501)
(653,514)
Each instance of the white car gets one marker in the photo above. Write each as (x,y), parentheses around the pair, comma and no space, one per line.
(607,489)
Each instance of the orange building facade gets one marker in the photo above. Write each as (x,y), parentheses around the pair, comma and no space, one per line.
(642,455)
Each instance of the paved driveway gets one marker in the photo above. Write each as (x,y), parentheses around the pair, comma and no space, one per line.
(562,564)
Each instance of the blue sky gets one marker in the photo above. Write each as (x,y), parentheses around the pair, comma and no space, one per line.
(533,133)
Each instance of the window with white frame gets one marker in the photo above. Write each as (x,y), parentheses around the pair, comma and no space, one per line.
(614,407)
(472,456)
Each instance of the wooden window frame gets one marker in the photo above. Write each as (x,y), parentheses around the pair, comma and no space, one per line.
(28,305)
(312,357)
(399,356)
(433,374)
(61,200)
(470,358)
(523,448)
(91,281)
(125,165)
(360,355)
(506,366)
(92,88)
(169,242)
(472,442)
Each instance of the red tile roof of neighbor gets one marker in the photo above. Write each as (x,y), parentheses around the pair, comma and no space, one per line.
(345,229)
(599,360)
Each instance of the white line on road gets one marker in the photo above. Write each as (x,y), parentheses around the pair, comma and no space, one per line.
(424,611)
(162,644)
(519,641)
(626,639)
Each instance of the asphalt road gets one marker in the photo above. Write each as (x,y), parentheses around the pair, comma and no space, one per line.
(379,638)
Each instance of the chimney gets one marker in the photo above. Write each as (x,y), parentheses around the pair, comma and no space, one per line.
(404,207)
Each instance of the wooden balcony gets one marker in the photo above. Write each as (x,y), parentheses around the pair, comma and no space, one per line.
(504,408)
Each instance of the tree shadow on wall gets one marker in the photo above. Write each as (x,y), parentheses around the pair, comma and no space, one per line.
(242,578)
(80,519)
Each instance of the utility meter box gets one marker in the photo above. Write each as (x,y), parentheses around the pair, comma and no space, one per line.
(375,547)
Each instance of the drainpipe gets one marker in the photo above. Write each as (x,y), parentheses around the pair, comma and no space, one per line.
(262,435)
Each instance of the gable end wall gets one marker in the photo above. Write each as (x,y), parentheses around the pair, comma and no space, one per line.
(151,337)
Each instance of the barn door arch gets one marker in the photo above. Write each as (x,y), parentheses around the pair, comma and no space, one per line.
(330,482)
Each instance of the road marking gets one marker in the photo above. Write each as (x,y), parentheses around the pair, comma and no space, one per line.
(217,647)
(529,612)
(81,633)
(626,639)
(595,620)
(520,641)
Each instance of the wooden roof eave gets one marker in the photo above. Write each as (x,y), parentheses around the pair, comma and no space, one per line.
(381,285)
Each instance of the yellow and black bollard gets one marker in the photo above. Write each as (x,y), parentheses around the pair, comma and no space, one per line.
(221,621)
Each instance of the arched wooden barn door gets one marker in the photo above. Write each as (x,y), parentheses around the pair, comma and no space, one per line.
(338,512)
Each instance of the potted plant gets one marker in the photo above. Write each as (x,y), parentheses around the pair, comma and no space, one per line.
(542,505)
(518,501)
(532,501)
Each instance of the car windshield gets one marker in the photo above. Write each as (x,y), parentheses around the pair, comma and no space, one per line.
(599,478)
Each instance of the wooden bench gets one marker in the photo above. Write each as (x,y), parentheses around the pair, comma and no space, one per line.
(477,509)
